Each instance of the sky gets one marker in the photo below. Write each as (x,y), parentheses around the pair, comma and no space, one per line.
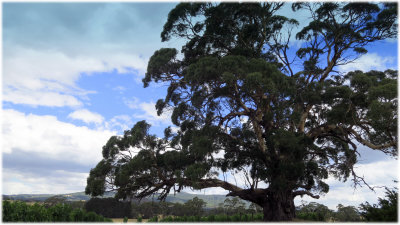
(72,78)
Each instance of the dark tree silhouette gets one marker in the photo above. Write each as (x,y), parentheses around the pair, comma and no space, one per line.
(244,104)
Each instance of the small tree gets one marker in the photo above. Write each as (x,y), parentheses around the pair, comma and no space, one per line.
(195,206)
(320,212)
(234,206)
(54,200)
(347,214)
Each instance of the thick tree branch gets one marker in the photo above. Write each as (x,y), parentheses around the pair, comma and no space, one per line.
(257,196)
(207,183)
(303,192)
(303,118)
(371,145)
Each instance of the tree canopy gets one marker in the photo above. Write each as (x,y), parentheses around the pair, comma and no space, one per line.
(244,104)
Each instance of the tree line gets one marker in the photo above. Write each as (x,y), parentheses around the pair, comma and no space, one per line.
(57,209)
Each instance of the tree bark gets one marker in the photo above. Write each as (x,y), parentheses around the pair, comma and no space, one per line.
(279,206)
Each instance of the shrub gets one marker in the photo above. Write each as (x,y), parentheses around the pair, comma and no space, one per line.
(77,215)
(109,207)
(21,212)
(153,219)
(235,218)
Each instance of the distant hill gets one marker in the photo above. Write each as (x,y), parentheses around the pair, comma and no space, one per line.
(211,200)
(77,196)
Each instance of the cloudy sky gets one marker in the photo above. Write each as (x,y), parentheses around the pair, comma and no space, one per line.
(72,78)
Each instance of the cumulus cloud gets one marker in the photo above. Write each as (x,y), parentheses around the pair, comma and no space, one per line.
(48,78)
(86,116)
(54,182)
(119,123)
(149,112)
(39,98)
(367,62)
(376,174)
(46,135)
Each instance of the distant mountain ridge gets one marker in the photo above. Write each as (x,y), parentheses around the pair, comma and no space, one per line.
(211,200)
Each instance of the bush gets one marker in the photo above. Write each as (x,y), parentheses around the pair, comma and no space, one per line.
(21,212)
(167,219)
(77,215)
(153,219)
(109,207)
(139,219)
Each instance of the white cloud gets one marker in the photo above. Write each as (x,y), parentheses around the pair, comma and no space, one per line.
(207,191)
(39,98)
(367,62)
(86,116)
(379,173)
(48,78)
(61,182)
(120,89)
(52,138)
(119,123)
(132,103)
(376,174)
(149,112)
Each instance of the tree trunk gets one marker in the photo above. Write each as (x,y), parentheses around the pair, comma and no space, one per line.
(279,206)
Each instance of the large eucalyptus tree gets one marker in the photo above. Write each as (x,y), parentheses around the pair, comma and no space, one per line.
(245,104)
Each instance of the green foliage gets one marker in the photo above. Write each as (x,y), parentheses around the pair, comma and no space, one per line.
(384,211)
(314,212)
(77,215)
(54,200)
(125,219)
(234,206)
(195,206)
(109,207)
(21,212)
(153,219)
(347,214)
